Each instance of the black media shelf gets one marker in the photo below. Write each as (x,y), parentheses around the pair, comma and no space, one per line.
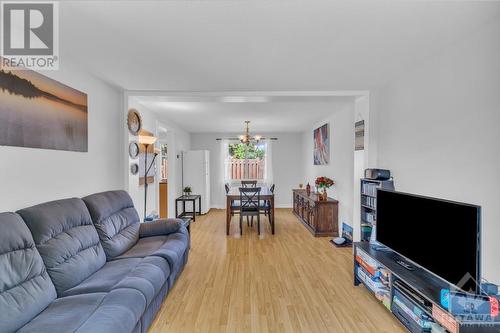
(379,271)
(369,189)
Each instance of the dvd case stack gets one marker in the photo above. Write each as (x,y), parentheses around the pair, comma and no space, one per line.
(369,201)
(370,189)
(374,276)
(410,313)
(368,217)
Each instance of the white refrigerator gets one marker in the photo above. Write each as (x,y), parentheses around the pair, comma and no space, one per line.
(196,174)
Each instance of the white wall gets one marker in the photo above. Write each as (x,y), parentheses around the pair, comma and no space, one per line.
(361,161)
(341,166)
(31,176)
(287,164)
(178,140)
(438,131)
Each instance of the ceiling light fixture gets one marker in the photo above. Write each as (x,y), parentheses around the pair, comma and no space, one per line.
(246,138)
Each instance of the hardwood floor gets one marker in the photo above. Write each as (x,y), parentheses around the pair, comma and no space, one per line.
(289,282)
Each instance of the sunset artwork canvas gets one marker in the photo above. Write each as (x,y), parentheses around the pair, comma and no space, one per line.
(39,112)
(321,145)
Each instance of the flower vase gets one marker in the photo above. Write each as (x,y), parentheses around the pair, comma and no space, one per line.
(321,195)
(325,195)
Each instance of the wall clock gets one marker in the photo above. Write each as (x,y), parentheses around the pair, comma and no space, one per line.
(134,121)
(134,168)
(133,149)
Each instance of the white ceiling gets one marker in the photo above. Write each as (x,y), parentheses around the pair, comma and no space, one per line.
(273,45)
(260,45)
(227,115)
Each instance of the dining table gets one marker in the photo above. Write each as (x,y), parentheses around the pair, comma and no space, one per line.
(234,194)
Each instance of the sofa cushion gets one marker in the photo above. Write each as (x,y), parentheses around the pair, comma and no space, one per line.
(144,247)
(25,287)
(147,275)
(173,248)
(170,247)
(150,314)
(178,268)
(117,311)
(66,239)
(115,219)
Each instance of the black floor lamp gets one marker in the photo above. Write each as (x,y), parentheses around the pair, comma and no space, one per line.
(147,140)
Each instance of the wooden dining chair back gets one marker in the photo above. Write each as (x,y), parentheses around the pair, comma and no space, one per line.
(235,205)
(249,183)
(267,203)
(249,205)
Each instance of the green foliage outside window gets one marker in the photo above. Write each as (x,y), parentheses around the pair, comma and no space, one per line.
(242,151)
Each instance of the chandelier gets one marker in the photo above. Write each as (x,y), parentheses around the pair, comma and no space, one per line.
(247,138)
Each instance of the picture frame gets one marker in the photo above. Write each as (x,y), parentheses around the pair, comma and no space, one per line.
(134,122)
(39,112)
(321,141)
(359,135)
(134,168)
(133,149)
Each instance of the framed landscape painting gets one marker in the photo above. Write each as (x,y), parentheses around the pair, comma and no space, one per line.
(321,145)
(39,112)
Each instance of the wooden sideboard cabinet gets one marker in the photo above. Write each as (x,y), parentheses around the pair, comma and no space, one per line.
(319,217)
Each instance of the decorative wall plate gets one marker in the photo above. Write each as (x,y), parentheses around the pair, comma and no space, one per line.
(134,168)
(134,121)
(133,149)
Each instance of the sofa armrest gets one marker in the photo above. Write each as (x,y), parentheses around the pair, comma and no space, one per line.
(160,227)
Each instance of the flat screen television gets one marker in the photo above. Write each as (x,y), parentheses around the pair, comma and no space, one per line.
(441,236)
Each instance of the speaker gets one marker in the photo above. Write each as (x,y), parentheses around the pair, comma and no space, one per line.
(377,174)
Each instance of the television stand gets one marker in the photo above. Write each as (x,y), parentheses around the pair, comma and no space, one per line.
(412,295)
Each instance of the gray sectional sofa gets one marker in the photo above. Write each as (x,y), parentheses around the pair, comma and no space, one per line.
(86,265)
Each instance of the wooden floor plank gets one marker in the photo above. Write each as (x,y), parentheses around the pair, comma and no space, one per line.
(289,282)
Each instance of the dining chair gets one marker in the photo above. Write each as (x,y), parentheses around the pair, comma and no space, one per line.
(267,203)
(248,183)
(235,205)
(249,205)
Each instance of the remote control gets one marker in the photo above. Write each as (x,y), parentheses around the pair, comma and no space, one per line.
(405,264)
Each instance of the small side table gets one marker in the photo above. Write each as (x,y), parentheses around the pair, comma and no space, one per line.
(188,198)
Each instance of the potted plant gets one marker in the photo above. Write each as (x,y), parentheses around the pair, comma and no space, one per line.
(187,190)
(324,183)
